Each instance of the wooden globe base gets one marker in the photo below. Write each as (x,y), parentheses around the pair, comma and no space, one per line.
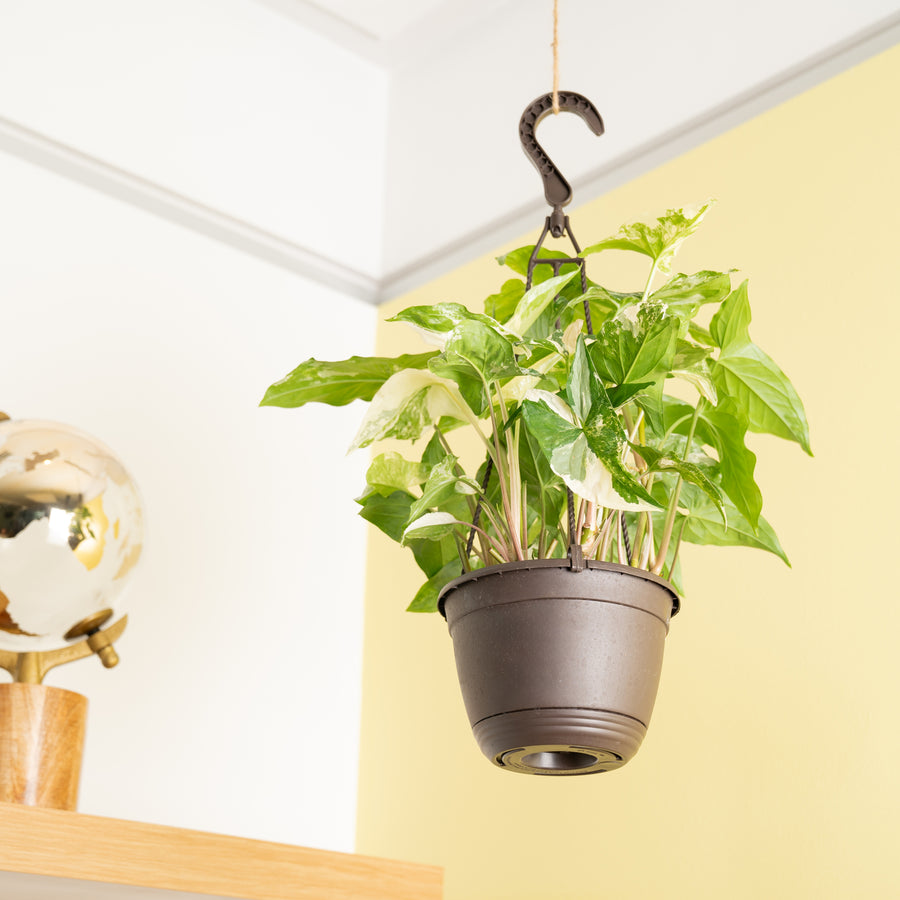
(41,742)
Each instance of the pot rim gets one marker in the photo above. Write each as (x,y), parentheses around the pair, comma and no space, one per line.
(558,563)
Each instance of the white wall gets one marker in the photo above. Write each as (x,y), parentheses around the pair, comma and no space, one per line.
(235,707)
(224,101)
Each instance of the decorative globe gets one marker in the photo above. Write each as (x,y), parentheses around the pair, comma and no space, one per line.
(71,532)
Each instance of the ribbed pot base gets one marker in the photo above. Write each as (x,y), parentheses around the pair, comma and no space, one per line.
(558,666)
(559,741)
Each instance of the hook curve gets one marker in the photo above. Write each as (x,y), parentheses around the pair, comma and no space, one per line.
(557,190)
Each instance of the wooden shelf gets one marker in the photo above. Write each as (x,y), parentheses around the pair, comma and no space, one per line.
(50,853)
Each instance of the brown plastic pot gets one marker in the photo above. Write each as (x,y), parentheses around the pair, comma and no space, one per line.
(559,666)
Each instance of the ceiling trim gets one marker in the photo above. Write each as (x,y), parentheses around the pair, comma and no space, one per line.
(120,184)
(437,26)
(128,187)
(642,159)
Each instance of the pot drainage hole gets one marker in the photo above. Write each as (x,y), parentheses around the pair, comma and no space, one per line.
(558,759)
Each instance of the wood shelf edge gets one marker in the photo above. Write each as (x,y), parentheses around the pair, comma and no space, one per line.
(90,848)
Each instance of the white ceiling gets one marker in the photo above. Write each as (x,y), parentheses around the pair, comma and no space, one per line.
(665,76)
(372,144)
(380,19)
(391,33)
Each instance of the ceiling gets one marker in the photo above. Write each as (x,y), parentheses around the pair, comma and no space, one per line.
(405,112)
(379,19)
(666,77)
(389,32)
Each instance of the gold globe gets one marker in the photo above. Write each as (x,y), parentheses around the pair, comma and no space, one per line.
(71,532)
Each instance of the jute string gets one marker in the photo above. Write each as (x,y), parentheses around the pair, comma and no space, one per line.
(555,57)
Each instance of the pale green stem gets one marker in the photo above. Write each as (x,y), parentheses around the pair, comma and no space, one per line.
(649,280)
(470,502)
(639,538)
(579,521)
(499,525)
(515,479)
(524,527)
(620,542)
(648,546)
(607,533)
(501,474)
(495,544)
(666,536)
(677,548)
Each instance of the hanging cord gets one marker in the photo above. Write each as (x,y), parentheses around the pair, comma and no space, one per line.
(555,57)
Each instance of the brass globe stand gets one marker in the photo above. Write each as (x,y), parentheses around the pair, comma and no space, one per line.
(41,727)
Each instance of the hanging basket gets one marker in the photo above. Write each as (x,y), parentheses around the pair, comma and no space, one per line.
(559,666)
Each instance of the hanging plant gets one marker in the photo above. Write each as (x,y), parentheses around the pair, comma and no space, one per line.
(595,470)
(555,408)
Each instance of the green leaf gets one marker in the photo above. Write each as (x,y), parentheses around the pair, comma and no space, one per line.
(432,526)
(388,514)
(409,402)
(578,386)
(736,461)
(337,383)
(746,373)
(622,393)
(518,260)
(546,492)
(434,451)
(606,438)
(754,380)
(637,345)
(426,599)
(438,320)
(704,526)
(700,334)
(476,350)
(661,241)
(730,326)
(683,295)
(603,303)
(442,485)
(658,461)
(691,364)
(535,301)
(390,472)
(502,305)
(652,401)
(587,457)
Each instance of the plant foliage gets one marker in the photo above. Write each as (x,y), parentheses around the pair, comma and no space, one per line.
(559,410)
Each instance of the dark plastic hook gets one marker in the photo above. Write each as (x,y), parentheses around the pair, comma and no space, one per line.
(557,190)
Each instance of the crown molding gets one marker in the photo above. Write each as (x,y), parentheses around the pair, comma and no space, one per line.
(130,188)
(667,146)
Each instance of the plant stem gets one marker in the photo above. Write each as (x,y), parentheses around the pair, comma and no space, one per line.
(470,502)
(666,536)
(677,548)
(639,537)
(620,542)
(649,281)
(579,521)
(648,545)
(495,544)
(606,531)
(501,475)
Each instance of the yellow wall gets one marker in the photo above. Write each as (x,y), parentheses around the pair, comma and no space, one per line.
(772,765)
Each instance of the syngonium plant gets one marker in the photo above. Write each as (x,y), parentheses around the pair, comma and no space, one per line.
(557,408)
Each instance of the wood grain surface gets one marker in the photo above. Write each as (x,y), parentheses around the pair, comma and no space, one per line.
(41,743)
(69,845)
